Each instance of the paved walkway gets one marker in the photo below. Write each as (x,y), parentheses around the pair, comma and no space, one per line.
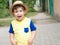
(48,30)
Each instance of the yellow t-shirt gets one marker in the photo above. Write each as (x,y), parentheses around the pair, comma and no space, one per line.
(22,30)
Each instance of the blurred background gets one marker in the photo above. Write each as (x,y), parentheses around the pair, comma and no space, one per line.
(44,13)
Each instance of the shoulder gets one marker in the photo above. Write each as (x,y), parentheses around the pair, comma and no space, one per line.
(27,19)
(13,21)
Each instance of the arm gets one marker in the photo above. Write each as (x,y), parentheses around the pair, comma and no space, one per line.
(12,39)
(11,32)
(33,34)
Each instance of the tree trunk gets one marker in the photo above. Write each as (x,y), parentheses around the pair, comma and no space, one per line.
(10,3)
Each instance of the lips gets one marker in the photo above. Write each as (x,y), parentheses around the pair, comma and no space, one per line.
(19,16)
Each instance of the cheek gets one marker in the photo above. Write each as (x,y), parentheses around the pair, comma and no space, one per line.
(22,13)
(15,14)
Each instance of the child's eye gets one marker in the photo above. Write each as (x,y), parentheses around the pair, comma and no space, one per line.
(20,10)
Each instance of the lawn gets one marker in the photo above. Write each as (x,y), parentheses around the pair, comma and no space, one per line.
(6,21)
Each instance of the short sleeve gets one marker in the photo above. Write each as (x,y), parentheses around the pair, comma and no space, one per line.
(11,29)
(32,26)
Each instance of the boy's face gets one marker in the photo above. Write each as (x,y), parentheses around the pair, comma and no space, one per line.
(19,13)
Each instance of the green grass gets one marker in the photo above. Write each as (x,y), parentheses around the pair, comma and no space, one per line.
(31,14)
(6,21)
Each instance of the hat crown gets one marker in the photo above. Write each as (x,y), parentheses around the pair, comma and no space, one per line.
(17,2)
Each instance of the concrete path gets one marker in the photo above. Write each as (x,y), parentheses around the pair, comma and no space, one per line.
(48,30)
(4,36)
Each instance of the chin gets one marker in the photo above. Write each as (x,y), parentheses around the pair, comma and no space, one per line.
(20,19)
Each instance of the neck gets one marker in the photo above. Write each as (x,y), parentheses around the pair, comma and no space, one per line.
(21,19)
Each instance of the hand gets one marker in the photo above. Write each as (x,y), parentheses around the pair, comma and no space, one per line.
(30,41)
(14,43)
(12,39)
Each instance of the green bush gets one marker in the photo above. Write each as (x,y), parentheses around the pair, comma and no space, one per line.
(4,8)
(32,10)
(30,4)
(4,13)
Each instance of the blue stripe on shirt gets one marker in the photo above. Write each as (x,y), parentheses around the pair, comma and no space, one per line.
(32,26)
(11,29)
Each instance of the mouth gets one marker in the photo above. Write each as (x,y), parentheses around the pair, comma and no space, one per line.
(19,16)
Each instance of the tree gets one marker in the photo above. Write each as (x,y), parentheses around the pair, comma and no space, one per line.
(3,8)
(10,3)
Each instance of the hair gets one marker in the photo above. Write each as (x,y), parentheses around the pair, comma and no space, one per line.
(17,6)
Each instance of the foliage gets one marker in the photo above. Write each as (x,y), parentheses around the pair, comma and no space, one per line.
(4,13)
(4,8)
(3,4)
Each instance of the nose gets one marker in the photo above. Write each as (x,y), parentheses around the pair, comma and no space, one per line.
(19,13)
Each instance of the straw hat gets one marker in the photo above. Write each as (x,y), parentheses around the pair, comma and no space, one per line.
(20,3)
